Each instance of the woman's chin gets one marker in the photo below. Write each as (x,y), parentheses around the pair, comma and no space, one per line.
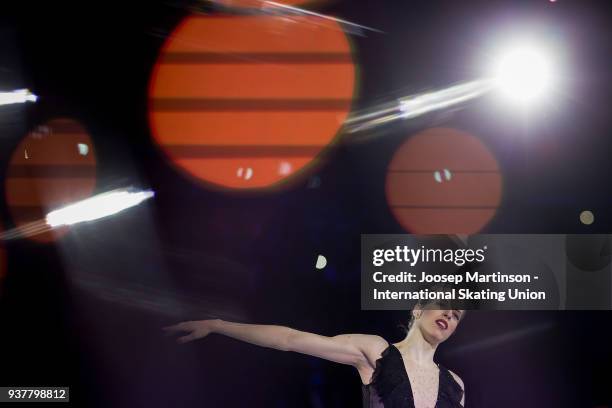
(435,337)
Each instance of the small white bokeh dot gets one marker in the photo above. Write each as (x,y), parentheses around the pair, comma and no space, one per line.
(587,217)
(438,175)
(284,168)
(83,149)
(245,173)
(321,262)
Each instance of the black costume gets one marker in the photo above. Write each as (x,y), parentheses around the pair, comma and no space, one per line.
(390,386)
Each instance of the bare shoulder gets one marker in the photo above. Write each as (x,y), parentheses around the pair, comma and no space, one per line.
(375,345)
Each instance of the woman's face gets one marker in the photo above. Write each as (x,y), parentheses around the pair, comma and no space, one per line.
(437,324)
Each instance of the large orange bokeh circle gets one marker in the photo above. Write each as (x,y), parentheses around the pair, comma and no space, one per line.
(54,165)
(247,101)
(443,181)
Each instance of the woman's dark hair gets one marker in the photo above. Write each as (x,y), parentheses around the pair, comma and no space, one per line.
(419,304)
(422,304)
(442,305)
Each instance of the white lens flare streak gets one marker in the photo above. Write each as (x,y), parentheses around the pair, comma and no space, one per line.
(417,105)
(99,206)
(17,96)
(412,107)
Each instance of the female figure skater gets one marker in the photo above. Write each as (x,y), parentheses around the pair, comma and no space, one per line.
(401,375)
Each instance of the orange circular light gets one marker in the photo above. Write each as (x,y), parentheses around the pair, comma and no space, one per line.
(247,101)
(443,181)
(54,165)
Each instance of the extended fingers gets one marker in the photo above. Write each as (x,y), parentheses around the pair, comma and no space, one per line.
(188,338)
(181,327)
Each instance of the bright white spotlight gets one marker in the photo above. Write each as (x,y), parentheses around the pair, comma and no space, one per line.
(524,74)
(99,206)
(18,96)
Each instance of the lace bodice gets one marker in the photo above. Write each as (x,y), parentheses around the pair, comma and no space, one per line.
(390,386)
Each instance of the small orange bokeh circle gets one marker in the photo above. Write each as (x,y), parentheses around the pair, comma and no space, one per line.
(54,165)
(443,181)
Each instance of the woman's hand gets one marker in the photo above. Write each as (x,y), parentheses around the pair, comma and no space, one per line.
(196,329)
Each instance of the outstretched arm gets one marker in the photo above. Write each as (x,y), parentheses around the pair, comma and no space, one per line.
(352,349)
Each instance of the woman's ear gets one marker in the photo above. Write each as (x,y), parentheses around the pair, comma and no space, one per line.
(417,311)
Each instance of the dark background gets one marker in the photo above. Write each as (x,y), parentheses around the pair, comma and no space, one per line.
(86,312)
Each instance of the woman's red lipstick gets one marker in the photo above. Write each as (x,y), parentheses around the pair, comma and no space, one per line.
(443,324)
